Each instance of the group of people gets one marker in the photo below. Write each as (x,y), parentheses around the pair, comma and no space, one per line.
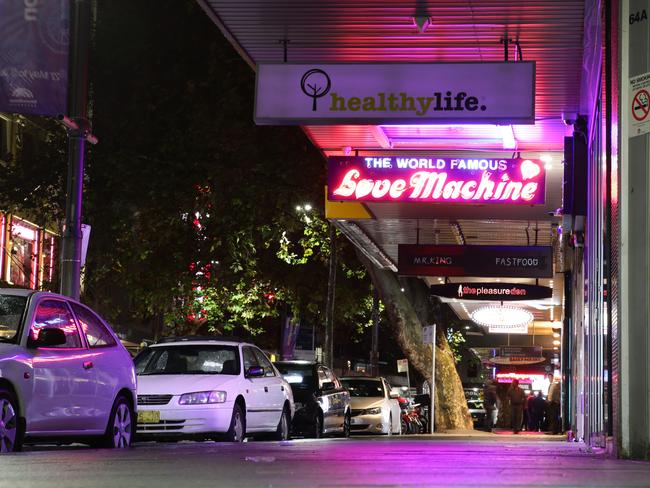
(530,412)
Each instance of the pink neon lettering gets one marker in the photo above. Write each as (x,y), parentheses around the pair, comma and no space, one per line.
(433,186)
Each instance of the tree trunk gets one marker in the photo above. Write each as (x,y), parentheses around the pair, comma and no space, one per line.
(408,311)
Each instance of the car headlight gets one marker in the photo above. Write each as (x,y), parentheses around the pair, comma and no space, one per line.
(373,411)
(202,397)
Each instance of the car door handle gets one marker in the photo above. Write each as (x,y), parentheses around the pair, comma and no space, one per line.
(266,389)
(88,364)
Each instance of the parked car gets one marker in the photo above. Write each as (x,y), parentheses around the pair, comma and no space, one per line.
(64,375)
(374,408)
(322,404)
(476,410)
(210,388)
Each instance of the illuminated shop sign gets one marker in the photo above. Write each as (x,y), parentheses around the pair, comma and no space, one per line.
(502,292)
(436,180)
(495,92)
(481,261)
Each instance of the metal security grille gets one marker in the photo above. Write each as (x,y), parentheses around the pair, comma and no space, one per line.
(595,323)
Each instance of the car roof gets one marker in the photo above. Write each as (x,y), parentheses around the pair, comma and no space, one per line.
(367,378)
(200,340)
(19,292)
(300,362)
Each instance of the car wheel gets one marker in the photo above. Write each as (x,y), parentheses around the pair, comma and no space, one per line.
(237,430)
(282,432)
(11,436)
(346,425)
(317,426)
(119,432)
(390,425)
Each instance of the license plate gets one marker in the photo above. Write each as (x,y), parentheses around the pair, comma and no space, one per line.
(149,417)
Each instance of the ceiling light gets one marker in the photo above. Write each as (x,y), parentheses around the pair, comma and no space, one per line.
(547,158)
(556,348)
(556,343)
(556,335)
(467,327)
(503,319)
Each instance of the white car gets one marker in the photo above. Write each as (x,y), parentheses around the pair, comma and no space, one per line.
(205,388)
(374,408)
(64,375)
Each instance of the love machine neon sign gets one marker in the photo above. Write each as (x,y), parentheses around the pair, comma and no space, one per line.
(451,180)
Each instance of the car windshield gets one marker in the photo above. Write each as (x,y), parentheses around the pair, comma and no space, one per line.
(364,388)
(186,359)
(299,376)
(11,313)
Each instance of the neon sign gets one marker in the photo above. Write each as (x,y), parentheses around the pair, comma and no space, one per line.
(436,180)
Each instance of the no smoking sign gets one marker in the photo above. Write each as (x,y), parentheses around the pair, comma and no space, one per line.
(640,106)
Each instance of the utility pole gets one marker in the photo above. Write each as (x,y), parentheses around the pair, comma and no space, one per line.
(328,353)
(78,127)
(374,351)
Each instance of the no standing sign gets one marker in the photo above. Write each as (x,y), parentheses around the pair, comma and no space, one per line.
(640,105)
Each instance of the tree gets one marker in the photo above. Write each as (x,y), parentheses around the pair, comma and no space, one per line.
(409,307)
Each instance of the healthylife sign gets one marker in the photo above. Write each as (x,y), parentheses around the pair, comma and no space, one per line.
(434,179)
(491,92)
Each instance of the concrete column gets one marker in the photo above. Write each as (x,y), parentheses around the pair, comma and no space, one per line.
(634,335)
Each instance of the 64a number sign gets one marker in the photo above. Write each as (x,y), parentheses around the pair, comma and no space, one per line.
(638,16)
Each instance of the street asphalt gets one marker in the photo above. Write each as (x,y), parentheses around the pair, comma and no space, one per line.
(406,461)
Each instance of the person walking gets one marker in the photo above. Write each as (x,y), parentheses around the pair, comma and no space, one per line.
(516,397)
(537,410)
(554,394)
(490,404)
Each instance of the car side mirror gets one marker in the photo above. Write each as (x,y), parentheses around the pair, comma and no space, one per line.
(50,337)
(254,372)
(394,396)
(328,386)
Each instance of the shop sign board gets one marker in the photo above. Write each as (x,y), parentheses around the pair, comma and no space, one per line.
(640,105)
(480,261)
(432,179)
(518,355)
(502,292)
(34,57)
(376,93)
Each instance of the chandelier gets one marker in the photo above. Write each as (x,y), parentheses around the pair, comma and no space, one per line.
(503,319)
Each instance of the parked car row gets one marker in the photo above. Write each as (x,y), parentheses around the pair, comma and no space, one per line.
(65,376)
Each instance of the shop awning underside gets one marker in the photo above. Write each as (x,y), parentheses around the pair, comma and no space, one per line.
(549,32)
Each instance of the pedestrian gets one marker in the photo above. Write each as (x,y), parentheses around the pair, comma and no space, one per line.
(527,420)
(490,404)
(537,410)
(516,397)
(528,411)
(554,394)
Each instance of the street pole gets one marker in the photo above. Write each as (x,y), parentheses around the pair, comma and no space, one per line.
(432,391)
(78,131)
(374,353)
(328,352)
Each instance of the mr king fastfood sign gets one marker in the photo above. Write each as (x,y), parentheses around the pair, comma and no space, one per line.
(499,92)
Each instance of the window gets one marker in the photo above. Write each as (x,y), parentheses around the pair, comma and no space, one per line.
(56,314)
(322,377)
(186,359)
(264,362)
(96,332)
(11,311)
(250,361)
